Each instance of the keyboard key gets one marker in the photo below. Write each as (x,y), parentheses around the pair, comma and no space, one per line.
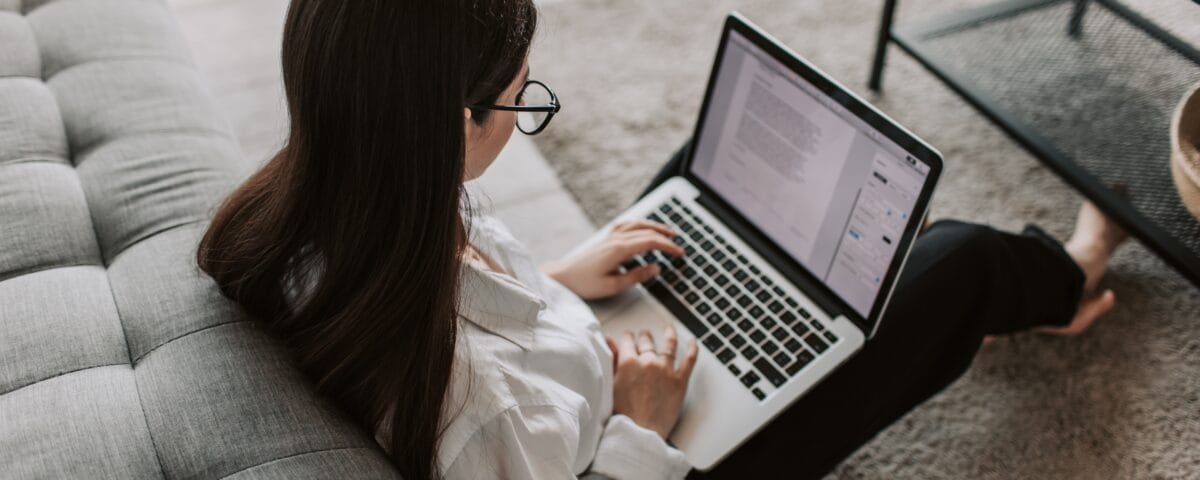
(770,372)
(801,329)
(675,217)
(767,322)
(678,263)
(781,359)
(733,290)
(743,259)
(711,293)
(755,311)
(804,313)
(722,303)
(719,255)
(681,286)
(713,319)
(710,271)
(632,263)
(793,345)
(775,307)
(816,343)
(706,245)
(697,327)
(707,229)
(763,296)
(721,280)
(768,282)
(801,360)
(700,282)
(689,250)
(752,286)
(791,302)
(664,209)
(713,343)
(757,336)
(703,308)
(734,314)
(769,347)
(788,318)
(726,330)
(780,333)
(740,275)
(817,325)
(735,370)
(687,272)
(831,337)
(729,265)
(779,292)
(686,210)
(758,393)
(745,301)
(754,270)
(749,352)
(653,217)
(726,355)
(679,240)
(750,378)
(745,325)
(691,298)
(738,341)
(700,261)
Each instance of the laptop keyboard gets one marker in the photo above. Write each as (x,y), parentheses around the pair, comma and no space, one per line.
(758,331)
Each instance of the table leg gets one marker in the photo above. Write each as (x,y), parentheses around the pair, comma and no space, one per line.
(881,44)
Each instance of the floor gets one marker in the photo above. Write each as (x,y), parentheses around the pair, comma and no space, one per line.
(236,47)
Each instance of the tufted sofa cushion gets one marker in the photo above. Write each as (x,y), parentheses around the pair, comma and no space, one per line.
(118,357)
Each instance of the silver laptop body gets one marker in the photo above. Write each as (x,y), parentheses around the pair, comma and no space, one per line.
(797,204)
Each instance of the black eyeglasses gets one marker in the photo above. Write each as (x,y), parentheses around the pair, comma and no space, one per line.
(536,105)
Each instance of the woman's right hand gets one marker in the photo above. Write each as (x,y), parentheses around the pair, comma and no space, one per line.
(647,386)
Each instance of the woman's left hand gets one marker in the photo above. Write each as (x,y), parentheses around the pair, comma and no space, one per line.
(595,273)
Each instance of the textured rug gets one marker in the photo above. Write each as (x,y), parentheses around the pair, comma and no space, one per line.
(1122,401)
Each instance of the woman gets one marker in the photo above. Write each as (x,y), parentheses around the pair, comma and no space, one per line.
(433,328)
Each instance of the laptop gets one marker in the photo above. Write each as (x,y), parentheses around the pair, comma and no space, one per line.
(797,205)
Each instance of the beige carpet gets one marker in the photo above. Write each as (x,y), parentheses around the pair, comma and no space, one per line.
(1123,401)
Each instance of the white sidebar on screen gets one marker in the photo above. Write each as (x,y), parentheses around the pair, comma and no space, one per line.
(821,183)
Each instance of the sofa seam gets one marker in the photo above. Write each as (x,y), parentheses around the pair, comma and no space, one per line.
(163,344)
(118,58)
(109,261)
(32,270)
(294,455)
(89,149)
(60,374)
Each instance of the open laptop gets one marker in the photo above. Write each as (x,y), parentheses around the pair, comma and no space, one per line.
(797,206)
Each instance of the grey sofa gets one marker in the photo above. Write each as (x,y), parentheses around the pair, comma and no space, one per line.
(118,357)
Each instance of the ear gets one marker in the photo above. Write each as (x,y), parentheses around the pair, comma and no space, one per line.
(468,126)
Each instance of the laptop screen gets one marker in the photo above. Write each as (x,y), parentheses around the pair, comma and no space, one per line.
(826,187)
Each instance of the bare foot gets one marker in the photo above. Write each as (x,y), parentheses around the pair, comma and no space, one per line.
(1095,240)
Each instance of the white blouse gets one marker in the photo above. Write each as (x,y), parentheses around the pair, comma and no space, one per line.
(531,393)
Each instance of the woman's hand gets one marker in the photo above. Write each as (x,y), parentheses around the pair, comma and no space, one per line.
(647,387)
(595,273)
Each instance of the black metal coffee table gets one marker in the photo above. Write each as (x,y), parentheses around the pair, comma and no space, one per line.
(1087,86)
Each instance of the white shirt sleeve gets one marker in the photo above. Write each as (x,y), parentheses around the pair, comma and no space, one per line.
(541,442)
(630,452)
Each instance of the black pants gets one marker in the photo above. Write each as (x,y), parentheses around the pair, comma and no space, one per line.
(961,282)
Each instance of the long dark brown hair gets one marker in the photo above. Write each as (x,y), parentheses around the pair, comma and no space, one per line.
(359,214)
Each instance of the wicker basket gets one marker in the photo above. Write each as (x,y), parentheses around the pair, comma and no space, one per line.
(1185,150)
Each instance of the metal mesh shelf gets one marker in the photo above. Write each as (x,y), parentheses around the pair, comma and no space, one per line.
(1088,87)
